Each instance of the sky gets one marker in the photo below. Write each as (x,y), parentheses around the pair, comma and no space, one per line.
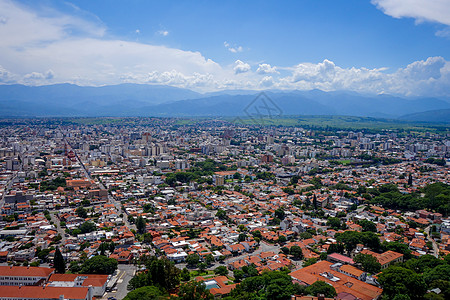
(399,47)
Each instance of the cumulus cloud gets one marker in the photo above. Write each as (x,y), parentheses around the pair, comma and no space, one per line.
(267,81)
(241,67)
(6,76)
(266,69)
(41,48)
(422,10)
(232,49)
(163,32)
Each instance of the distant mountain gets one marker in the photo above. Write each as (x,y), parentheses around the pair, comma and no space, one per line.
(73,100)
(432,116)
(157,100)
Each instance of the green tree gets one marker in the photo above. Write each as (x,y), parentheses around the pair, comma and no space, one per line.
(146,293)
(99,264)
(160,272)
(441,272)
(410,179)
(209,259)
(321,287)
(185,275)
(369,263)
(368,225)
(202,266)
(282,239)
(296,252)
(141,224)
(192,260)
(81,212)
(221,270)
(238,275)
(280,214)
(59,263)
(397,280)
(194,290)
(334,223)
(336,248)
(221,214)
(315,201)
(87,227)
(242,237)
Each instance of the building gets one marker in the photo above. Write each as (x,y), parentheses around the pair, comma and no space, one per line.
(345,285)
(385,259)
(24,276)
(96,281)
(43,292)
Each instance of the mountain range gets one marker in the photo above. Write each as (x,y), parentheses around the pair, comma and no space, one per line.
(68,100)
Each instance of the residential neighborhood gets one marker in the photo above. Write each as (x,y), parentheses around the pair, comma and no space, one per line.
(225,202)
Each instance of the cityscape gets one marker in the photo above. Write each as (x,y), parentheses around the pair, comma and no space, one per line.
(252,150)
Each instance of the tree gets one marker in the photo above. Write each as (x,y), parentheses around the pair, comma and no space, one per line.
(242,237)
(321,287)
(87,227)
(369,263)
(334,223)
(410,179)
(99,264)
(296,252)
(274,285)
(81,212)
(160,272)
(202,266)
(238,275)
(280,214)
(145,293)
(221,270)
(194,290)
(185,275)
(140,224)
(397,280)
(441,272)
(221,214)
(192,260)
(282,239)
(209,259)
(315,201)
(368,225)
(336,248)
(59,263)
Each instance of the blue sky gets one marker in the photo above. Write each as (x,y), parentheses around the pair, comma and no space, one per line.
(379,46)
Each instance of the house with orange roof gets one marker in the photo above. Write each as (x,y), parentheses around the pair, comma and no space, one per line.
(343,284)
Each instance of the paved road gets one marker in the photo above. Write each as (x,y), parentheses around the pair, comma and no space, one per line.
(58,226)
(430,238)
(124,275)
(263,247)
(111,199)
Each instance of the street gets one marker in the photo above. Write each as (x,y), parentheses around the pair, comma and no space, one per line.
(124,275)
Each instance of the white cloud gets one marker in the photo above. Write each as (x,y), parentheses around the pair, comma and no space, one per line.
(267,81)
(6,76)
(234,49)
(241,67)
(41,48)
(266,69)
(163,32)
(422,10)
